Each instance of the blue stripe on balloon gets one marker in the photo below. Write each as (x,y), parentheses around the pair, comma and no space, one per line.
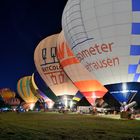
(136,28)
(135,5)
(135,50)
(28,86)
(136,77)
(132,68)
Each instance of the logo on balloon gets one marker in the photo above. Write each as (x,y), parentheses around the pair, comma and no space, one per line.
(51,66)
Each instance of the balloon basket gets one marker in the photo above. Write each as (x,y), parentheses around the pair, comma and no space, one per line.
(125,115)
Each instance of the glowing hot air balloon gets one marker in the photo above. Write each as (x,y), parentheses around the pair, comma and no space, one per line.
(39,94)
(13,102)
(124,92)
(24,91)
(78,97)
(6,94)
(104,36)
(50,70)
(84,81)
(39,85)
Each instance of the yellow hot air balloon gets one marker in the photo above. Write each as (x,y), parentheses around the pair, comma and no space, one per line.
(85,82)
(39,94)
(24,91)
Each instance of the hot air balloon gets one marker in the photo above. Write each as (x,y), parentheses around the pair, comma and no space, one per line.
(124,93)
(24,91)
(38,93)
(40,85)
(78,97)
(104,36)
(13,102)
(6,94)
(83,80)
(50,70)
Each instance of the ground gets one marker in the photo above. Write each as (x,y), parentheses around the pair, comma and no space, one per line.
(57,126)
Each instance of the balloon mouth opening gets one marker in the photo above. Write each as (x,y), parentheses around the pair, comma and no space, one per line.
(65,101)
(31,106)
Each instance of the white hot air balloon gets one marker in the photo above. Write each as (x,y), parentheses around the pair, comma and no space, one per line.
(49,68)
(105,37)
(84,81)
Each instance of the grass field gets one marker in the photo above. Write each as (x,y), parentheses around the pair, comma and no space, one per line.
(53,126)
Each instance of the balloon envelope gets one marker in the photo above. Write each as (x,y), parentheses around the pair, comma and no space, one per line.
(40,85)
(6,94)
(78,96)
(49,67)
(124,92)
(39,94)
(14,101)
(104,36)
(84,81)
(24,90)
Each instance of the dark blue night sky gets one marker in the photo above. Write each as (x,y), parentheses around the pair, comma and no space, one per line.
(23,24)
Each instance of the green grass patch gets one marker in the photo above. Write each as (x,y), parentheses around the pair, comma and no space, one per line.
(54,126)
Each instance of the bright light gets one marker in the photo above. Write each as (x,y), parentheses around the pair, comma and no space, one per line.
(32,106)
(50,104)
(71,104)
(124,89)
(94,95)
(65,101)
(124,86)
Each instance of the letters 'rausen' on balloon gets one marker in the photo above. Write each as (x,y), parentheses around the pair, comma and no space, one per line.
(50,69)
(104,36)
(84,81)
